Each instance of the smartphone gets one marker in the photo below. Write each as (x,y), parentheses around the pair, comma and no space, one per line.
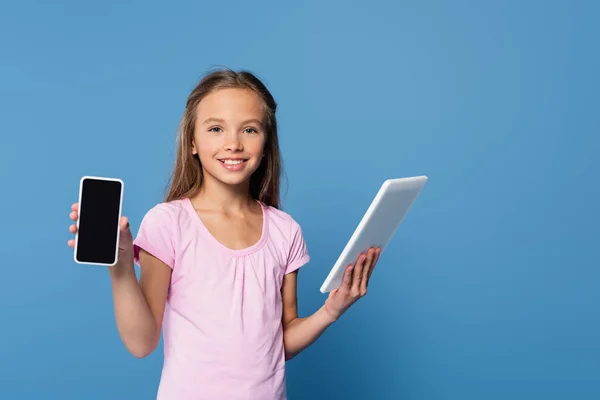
(97,237)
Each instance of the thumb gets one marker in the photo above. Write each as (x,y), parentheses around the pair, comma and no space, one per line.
(332,293)
(124,227)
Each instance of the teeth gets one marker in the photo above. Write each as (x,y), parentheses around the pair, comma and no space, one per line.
(233,162)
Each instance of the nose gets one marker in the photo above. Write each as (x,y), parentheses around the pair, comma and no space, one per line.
(232,142)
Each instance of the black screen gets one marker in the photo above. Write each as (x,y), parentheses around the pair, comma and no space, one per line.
(99,211)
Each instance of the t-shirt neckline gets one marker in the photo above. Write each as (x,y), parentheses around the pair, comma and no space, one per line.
(235,252)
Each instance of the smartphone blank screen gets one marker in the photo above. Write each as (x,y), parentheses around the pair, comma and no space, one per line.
(99,213)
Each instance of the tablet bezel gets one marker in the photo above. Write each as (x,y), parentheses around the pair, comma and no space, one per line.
(415,184)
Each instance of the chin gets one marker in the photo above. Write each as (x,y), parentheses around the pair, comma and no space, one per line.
(232,180)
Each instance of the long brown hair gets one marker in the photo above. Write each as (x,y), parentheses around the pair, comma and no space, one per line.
(186,178)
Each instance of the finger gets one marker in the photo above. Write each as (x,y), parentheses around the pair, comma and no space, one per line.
(375,259)
(347,282)
(73,228)
(357,276)
(74,215)
(75,207)
(71,243)
(366,271)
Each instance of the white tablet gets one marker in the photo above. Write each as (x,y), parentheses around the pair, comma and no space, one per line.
(378,225)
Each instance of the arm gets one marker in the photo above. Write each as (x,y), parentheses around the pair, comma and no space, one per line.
(299,333)
(139,306)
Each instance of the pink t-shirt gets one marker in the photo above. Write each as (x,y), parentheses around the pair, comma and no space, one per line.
(222,330)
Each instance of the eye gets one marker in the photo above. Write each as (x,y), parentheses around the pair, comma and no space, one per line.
(250,130)
(215,129)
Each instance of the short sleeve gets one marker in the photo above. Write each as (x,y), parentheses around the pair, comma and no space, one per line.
(155,236)
(298,253)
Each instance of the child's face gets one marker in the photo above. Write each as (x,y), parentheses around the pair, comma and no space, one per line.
(229,136)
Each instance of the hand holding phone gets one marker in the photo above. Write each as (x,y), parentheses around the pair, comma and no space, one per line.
(102,235)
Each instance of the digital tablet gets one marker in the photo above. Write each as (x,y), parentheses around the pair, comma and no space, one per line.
(378,225)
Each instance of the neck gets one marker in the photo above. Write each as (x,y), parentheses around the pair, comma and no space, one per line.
(217,195)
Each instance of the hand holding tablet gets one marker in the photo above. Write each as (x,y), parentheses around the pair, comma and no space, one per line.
(375,230)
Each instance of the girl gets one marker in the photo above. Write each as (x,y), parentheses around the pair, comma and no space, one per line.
(219,260)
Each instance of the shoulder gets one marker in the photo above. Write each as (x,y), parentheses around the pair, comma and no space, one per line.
(166,216)
(284,224)
(288,233)
(286,230)
(172,210)
(159,231)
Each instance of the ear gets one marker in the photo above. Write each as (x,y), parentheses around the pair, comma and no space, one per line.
(194,151)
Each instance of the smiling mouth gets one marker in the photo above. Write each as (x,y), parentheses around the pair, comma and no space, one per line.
(233,161)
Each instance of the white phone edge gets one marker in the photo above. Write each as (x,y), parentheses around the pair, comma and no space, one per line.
(103,178)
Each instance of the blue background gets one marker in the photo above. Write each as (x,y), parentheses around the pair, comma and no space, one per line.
(490,290)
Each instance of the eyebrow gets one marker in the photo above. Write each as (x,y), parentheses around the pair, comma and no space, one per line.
(220,120)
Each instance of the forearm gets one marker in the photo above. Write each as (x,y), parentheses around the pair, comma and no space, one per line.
(136,325)
(300,333)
